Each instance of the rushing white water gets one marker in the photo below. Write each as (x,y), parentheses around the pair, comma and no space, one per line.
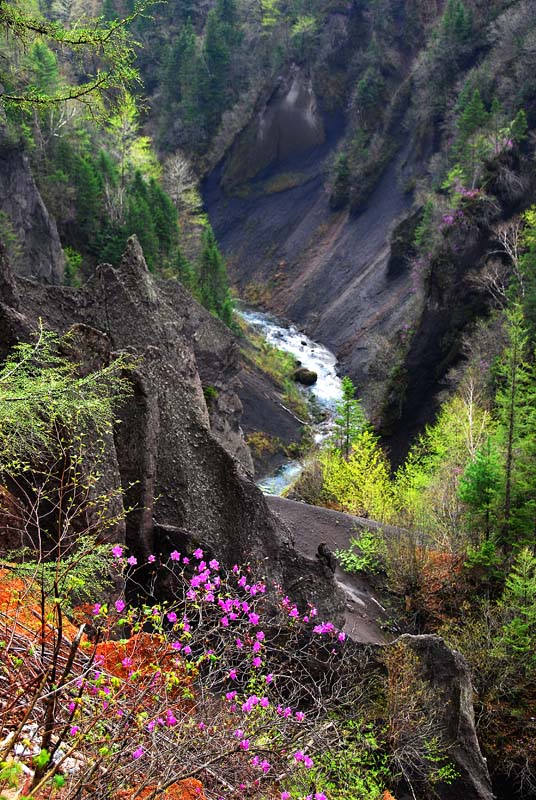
(326,391)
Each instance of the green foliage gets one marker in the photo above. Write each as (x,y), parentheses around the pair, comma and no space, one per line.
(479,484)
(73,263)
(212,282)
(518,603)
(349,419)
(42,393)
(104,44)
(341,183)
(359,769)
(360,483)
(365,554)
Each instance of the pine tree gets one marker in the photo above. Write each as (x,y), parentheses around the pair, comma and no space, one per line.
(213,286)
(341,183)
(519,127)
(184,270)
(516,435)
(88,196)
(479,485)
(164,218)
(45,67)
(350,419)
(518,603)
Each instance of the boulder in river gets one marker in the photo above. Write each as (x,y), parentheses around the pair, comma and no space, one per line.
(305,376)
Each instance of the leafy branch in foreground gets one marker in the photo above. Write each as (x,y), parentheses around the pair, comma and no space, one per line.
(41,391)
(88,41)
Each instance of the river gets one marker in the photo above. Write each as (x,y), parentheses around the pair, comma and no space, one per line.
(326,391)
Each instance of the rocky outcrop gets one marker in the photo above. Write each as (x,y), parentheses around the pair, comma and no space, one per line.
(36,249)
(287,125)
(448,675)
(177,476)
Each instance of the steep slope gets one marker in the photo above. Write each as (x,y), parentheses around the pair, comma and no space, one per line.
(182,484)
(318,202)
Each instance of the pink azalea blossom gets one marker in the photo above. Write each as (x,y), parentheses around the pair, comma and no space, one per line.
(96,609)
(172,617)
(151,559)
(74,730)
(253,618)
(175,556)
(132,560)
(198,553)
(117,551)
(120,605)
(257,661)
(244,744)
(232,674)
(137,753)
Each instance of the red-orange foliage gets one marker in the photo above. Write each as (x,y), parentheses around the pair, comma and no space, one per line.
(189,789)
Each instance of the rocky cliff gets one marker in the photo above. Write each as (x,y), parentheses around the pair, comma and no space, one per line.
(184,485)
(334,250)
(25,222)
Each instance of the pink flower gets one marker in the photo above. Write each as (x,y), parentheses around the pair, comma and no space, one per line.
(120,605)
(230,695)
(117,551)
(238,733)
(244,744)
(74,730)
(260,635)
(185,560)
(342,636)
(285,795)
(151,559)
(239,643)
(299,755)
(294,612)
(257,646)
(257,661)
(264,702)
(265,766)
(201,726)
(308,762)
(269,678)
(214,564)
(232,674)
(151,726)
(224,621)
(96,609)
(176,645)
(187,650)
(172,617)
(71,707)
(300,716)
(253,618)
(137,753)
(198,553)
(175,556)
(132,560)
(320,796)
(126,662)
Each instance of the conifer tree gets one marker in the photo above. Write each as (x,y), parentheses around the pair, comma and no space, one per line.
(213,286)
(350,419)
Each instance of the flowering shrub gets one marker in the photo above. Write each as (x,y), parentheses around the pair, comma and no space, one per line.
(221,685)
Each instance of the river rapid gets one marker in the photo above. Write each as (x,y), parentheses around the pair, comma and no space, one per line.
(325,392)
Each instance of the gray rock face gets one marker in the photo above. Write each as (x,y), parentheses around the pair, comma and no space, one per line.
(37,251)
(448,674)
(175,471)
(288,124)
